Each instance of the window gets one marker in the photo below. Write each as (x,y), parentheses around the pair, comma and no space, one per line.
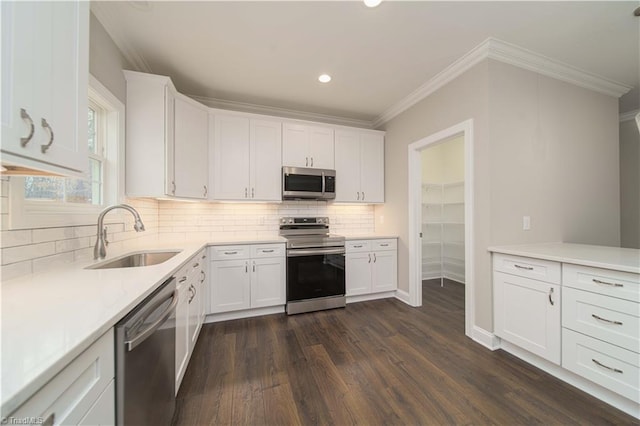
(58,201)
(76,190)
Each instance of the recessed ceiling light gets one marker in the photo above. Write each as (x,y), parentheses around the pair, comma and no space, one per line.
(324,78)
(372,3)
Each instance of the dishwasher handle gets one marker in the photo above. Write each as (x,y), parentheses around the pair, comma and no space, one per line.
(141,337)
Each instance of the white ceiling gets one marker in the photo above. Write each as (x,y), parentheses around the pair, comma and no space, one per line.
(270,53)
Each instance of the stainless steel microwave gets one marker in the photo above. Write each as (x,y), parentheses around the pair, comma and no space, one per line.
(305,183)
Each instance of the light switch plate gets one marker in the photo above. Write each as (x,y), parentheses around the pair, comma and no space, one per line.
(526,223)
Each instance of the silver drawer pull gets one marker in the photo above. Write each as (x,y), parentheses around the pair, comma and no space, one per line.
(384,245)
(606,320)
(183,279)
(25,116)
(550,296)
(615,370)
(230,252)
(267,251)
(357,246)
(606,283)
(196,265)
(527,268)
(45,147)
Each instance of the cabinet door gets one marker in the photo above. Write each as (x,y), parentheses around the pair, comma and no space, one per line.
(358,273)
(182,331)
(190,156)
(295,145)
(348,166)
(372,168)
(384,271)
(231,158)
(230,286)
(266,160)
(527,314)
(195,296)
(103,412)
(45,73)
(268,282)
(321,148)
(204,285)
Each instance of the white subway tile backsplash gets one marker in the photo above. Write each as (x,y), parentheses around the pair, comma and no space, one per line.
(16,270)
(52,234)
(21,253)
(48,262)
(15,238)
(72,244)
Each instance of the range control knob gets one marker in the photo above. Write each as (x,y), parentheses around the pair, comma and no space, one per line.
(290,220)
(283,220)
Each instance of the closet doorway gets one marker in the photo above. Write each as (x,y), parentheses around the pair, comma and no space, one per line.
(441,214)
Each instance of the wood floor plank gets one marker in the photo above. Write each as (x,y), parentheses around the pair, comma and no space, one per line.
(379,362)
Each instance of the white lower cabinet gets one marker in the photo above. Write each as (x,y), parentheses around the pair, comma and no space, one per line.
(82,393)
(371,266)
(191,279)
(244,277)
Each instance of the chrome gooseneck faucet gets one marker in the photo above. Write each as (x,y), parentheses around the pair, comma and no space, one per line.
(100,249)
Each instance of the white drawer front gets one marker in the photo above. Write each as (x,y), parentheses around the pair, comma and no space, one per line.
(230,252)
(356,246)
(610,366)
(623,285)
(267,250)
(387,244)
(613,320)
(527,267)
(71,394)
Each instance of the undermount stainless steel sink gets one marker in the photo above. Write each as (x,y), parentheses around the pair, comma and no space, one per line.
(133,260)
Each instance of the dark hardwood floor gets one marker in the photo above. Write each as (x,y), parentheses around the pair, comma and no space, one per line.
(378,362)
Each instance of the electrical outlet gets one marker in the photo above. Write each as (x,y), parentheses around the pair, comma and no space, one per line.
(381,219)
(526,223)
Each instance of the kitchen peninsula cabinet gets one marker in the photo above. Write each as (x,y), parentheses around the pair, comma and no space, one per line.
(247,163)
(45,62)
(305,145)
(359,166)
(167,140)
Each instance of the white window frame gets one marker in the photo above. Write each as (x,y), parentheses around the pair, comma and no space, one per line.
(26,214)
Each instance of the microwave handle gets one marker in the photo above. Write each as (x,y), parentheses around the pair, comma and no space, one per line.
(323,183)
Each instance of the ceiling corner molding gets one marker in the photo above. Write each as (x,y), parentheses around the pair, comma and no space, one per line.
(280,112)
(511,54)
(629,115)
(460,66)
(532,61)
(117,34)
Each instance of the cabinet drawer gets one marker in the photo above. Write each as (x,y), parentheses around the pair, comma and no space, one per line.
(70,395)
(610,366)
(267,250)
(527,267)
(357,246)
(388,244)
(230,252)
(606,318)
(623,285)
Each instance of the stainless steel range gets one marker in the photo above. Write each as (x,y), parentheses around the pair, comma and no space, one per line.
(315,265)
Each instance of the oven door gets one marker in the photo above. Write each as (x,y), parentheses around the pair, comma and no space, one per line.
(314,273)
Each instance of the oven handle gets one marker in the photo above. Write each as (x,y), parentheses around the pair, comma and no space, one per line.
(314,252)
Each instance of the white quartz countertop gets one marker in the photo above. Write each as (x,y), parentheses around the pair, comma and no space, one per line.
(49,318)
(369,237)
(619,259)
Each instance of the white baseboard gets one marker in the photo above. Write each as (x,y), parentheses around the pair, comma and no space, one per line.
(247,313)
(403,296)
(485,338)
(630,407)
(373,296)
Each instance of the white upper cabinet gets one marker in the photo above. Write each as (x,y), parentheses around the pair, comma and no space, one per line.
(167,140)
(190,157)
(359,166)
(247,159)
(45,62)
(307,146)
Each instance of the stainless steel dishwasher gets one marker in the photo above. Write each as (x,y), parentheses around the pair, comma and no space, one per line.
(145,360)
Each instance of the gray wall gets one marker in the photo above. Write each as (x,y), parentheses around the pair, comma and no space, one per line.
(542,148)
(629,184)
(106,62)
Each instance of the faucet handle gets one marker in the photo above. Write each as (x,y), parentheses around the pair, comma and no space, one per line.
(104,236)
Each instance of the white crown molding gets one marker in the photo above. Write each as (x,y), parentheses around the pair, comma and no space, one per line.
(629,115)
(508,53)
(112,25)
(280,112)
